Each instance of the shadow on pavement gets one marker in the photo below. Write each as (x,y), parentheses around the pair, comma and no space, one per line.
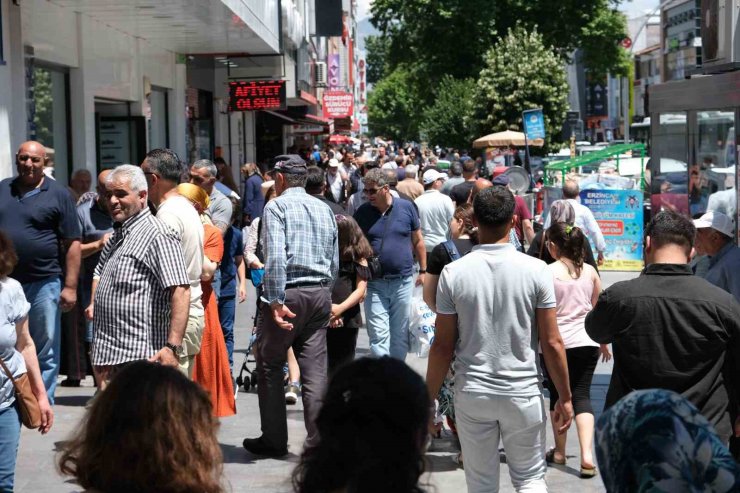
(72,400)
(440,463)
(235,455)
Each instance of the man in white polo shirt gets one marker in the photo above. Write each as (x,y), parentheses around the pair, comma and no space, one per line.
(435,210)
(495,307)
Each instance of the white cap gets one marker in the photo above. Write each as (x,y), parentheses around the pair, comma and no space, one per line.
(333,163)
(717,221)
(432,175)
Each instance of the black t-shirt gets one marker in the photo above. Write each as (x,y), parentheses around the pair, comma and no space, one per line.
(461,192)
(439,257)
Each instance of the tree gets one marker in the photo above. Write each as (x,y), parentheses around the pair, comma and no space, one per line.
(432,38)
(449,121)
(377,49)
(521,73)
(391,107)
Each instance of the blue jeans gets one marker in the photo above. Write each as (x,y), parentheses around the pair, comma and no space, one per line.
(45,325)
(226,310)
(388,310)
(10,434)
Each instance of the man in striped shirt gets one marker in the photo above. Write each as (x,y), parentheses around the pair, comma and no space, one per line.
(141,290)
(299,235)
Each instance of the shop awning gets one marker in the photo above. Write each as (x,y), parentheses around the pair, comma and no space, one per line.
(593,158)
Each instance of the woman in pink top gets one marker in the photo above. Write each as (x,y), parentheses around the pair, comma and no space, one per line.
(577,288)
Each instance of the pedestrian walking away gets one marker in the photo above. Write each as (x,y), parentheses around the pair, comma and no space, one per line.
(301,260)
(492,294)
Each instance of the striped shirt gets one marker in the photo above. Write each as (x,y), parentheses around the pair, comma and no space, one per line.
(299,234)
(138,265)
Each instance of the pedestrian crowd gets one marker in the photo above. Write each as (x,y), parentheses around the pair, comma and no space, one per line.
(137,284)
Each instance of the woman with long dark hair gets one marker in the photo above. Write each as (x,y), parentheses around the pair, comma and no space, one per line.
(367,445)
(577,288)
(349,290)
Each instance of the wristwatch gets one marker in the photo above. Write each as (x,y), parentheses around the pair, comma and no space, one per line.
(422,271)
(177,350)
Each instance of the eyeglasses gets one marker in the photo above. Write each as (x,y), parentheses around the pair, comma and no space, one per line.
(372,191)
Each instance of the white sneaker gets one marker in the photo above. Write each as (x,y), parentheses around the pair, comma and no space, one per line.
(291,396)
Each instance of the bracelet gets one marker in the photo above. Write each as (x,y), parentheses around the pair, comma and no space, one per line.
(422,271)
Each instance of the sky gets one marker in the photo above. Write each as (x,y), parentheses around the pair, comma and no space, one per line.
(632,8)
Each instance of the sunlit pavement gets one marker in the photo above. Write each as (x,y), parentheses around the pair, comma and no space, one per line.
(36,471)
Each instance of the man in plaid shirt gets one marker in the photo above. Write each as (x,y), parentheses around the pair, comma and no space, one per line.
(299,235)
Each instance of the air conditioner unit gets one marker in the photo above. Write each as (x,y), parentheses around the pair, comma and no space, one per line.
(720,34)
(320,74)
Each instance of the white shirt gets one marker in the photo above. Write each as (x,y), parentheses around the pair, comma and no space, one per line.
(335,185)
(586,221)
(179,214)
(435,213)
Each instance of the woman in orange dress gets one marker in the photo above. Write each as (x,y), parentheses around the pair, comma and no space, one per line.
(211,367)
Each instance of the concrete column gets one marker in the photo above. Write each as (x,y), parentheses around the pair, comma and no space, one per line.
(84,145)
(176,110)
(8,124)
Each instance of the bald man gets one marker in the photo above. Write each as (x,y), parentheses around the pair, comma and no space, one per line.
(38,215)
(96,227)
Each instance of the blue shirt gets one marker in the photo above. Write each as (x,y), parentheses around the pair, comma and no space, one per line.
(396,256)
(37,223)
(254,201)
(94,224)
(299,234)
(724,270)
(232,249)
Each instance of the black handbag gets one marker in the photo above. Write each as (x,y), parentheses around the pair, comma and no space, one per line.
(373,263)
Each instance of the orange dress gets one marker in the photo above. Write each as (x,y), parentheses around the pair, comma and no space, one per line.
(212,369)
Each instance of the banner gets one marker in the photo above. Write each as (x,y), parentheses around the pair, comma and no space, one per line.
(620,217)
(338,104)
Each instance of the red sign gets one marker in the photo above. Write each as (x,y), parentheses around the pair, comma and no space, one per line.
(626,43)
(257,95)
(611,228)
(338,104)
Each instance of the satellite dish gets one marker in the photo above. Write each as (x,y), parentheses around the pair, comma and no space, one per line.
(519,179)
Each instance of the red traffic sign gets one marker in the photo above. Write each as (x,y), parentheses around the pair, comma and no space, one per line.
(626,43)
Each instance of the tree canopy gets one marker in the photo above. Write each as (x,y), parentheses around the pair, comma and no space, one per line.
(449,120)
(391,107)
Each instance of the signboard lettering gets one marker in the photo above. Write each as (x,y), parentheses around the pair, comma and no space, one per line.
(534,124)
(257,95)
(338,104)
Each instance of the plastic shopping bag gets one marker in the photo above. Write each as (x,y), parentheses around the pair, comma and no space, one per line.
(421,326)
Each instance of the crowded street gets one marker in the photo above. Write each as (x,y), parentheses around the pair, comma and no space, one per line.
(369,246)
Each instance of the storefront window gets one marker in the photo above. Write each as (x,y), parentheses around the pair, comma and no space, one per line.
(712,173)
(667,168)
(50,118)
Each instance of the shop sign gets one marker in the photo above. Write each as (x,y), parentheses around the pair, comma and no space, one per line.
(308,129)
(534,124)
(619,215)
(338,104)
(257,95)
(334,74)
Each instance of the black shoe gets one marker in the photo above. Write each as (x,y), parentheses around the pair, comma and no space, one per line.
(70,382)
(257,447)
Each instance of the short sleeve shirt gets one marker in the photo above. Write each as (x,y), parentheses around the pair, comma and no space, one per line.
(94,224)
(495,292)
(220,209)
(13,308)
(396,255)
(37,223)
(232,248)
(439,256)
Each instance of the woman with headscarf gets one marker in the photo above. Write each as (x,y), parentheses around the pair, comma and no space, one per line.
(211,367)
(561,212)
(656,441)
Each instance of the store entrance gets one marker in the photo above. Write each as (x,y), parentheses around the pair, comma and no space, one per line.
(120,137)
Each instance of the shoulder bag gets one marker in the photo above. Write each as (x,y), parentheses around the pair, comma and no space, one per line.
(256,275)
(373,263)
(28,406)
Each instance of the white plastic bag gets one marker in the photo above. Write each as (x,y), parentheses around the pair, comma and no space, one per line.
(421,326)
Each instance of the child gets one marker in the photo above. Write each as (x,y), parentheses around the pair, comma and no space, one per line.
(349,291)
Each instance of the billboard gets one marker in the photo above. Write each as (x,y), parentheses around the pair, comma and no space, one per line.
(619,214)
(338,104)
(257,95)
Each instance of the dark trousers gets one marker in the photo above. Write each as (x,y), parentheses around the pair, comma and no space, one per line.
(581,365)
(341,343)
(226,311)
(74,348)
(312,306)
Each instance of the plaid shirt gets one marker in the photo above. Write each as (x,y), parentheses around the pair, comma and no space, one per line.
(300,241)
(138,265)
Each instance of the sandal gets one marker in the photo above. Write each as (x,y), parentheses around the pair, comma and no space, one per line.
(588,472)
(550,458)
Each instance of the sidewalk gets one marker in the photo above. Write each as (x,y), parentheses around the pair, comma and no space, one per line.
(36,471)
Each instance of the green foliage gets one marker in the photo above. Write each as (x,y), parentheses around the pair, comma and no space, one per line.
(449,121)
(521,73)
(44,118)
(601,47)
(391,107)
(378,54)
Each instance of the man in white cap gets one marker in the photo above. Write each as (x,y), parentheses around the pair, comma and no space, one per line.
(335,182)
(435,210)
(715,233)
